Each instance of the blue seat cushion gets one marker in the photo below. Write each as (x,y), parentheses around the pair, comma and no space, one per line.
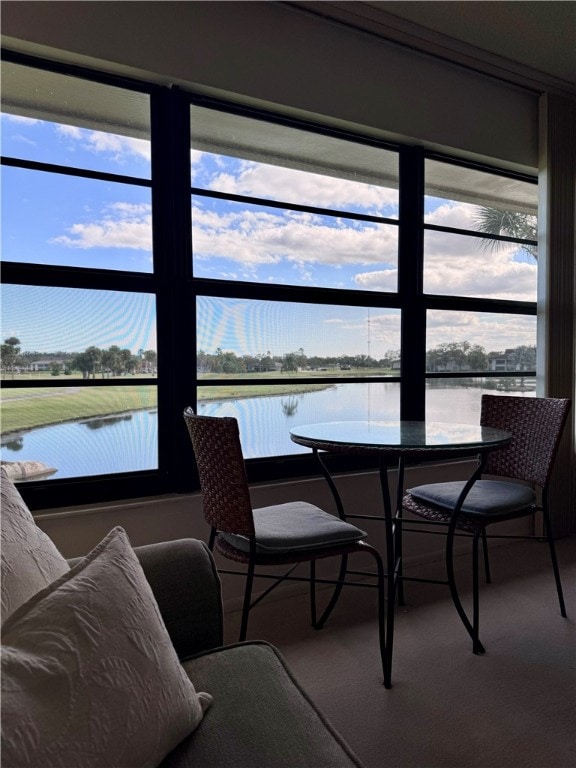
(486,497)
(294,527)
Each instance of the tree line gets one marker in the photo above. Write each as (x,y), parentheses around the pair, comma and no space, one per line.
(92,362)
(453,356)
(115,361)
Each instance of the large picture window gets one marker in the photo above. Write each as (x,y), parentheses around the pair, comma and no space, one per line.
(162,250)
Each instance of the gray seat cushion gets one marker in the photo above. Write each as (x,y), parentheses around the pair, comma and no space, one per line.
(260,717)
(485,497)
(295,526)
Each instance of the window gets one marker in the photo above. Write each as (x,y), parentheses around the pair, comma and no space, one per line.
(479,242)
(163,250)
(79,325)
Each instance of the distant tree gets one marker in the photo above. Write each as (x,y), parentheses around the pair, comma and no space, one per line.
(151,359)
(128,361)
(56,369)
(477,358)
(111,360)
(290,363)
(10,351)
(83,363)
(95,356)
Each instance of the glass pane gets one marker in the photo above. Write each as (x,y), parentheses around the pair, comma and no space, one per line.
(240,155)
(480,341)
(265,420)
(455,195)
(478,201)
(58,432)
(270,245)
(76,222)
(53,118)
(265,161)
(457,265)
(263,339)
(67,334)
(76,333)
(458,400)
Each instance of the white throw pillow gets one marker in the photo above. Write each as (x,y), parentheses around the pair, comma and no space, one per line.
(30,560)
(89,674)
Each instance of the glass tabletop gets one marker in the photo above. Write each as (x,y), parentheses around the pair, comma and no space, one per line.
(399,435)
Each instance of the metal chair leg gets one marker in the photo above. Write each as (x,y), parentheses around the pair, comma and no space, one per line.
(246,604)
(486,559)
(477,645)
(385,628)
(335,595)
(550,537)
(313,593)
(475,597)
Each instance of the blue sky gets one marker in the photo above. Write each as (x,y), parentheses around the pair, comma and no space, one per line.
(57,219)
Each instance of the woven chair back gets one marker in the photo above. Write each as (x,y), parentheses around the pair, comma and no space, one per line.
(222,472)
(536,424)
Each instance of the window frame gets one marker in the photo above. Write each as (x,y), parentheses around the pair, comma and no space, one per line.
(176,289)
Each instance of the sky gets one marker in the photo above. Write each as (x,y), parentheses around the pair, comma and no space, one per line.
(92,223)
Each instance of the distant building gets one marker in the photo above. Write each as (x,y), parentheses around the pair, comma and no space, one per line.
(508,361)
(46,365)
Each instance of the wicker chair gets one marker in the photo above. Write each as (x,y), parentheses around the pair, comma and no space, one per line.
(536,426)
(283,534)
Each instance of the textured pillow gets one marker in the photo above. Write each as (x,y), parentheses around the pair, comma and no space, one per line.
(30,561)
(89,674)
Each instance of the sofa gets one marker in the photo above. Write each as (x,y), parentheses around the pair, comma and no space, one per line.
(116,660)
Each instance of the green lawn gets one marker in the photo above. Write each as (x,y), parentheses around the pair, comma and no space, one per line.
(28,408)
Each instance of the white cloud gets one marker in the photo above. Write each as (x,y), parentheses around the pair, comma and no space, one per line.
(379,280)
(460,266)
(289,185)
(460,215)
(123,225)
(69,131)
(493,332)
(256,238)
(100,142)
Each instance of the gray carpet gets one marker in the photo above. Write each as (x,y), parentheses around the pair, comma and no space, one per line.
(514,707)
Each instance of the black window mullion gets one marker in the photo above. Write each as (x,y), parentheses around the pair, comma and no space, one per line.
(410,281)
(170,202)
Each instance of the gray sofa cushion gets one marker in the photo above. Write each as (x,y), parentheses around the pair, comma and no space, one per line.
(260,717)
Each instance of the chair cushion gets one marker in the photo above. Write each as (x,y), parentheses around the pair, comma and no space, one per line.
(30,560)
(294,527)
(89,675)
(486,497)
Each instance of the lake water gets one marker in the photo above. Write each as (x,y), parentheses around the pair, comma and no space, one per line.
(127,443)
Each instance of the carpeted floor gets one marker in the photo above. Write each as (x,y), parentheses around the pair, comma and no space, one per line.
(514,707)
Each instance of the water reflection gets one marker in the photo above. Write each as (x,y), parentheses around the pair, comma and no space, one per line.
(290,405)
(129,442)
(106,421)
(15,443)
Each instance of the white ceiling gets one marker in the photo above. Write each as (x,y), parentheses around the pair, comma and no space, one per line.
(539,35)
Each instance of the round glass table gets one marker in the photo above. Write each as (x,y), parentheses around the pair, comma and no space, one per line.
(401,441)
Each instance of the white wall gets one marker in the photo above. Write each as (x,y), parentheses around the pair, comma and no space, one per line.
(270,54)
